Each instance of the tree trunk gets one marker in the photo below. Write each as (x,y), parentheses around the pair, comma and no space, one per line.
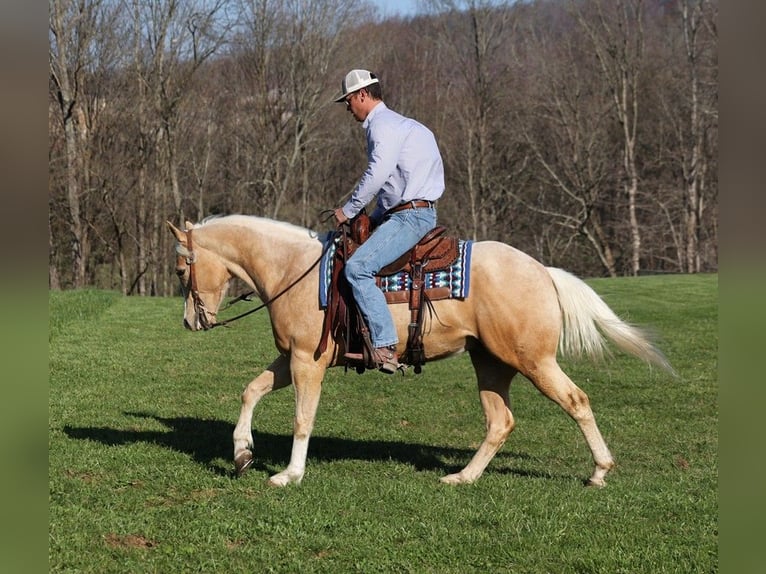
(65,67)
(695,171)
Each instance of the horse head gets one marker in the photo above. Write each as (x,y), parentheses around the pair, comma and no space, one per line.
(204,280)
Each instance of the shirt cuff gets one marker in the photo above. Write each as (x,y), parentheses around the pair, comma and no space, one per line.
(348,208)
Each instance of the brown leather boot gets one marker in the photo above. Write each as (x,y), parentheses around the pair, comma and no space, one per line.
(386,359)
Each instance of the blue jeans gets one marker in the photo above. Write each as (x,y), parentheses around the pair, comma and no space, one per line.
(398,233)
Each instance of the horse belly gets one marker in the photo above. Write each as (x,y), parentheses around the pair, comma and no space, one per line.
(448,331)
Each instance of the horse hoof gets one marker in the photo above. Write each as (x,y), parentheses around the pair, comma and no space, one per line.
(596,482)
(454,479)
(280,480)
(243,462)
(284,478)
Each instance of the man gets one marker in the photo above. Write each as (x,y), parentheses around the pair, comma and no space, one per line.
(405,175)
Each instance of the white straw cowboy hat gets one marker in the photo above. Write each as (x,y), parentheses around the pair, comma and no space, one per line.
(356,80)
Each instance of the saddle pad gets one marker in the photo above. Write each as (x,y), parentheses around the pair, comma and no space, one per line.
(456,278)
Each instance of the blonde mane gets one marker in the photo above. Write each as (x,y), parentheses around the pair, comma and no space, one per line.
(259,223)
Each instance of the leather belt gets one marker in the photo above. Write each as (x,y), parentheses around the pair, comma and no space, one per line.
(414,204)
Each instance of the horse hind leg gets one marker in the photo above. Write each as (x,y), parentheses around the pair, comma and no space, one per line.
(557,386)
(494,380)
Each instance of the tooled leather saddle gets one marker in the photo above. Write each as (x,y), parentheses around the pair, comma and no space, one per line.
(343,319)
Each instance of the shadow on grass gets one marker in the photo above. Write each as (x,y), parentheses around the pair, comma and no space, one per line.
(208,441)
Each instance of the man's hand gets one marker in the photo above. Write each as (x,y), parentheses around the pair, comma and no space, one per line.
(340,217)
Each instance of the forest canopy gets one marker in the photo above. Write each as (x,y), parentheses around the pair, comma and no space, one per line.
(583,132)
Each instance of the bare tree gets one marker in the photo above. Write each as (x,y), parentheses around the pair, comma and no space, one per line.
(695,128)
(172,40)
(285,58)
(615,29)
(475,42)
(564,122)
(72,27)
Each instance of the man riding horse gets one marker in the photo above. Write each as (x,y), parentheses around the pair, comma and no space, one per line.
(405,174)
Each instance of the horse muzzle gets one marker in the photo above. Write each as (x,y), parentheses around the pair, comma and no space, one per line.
(200,319)
(200,323)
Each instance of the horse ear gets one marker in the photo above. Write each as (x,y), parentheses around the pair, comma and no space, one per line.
(189,225)
(180,235)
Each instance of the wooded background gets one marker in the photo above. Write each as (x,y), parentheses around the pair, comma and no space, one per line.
(583,132)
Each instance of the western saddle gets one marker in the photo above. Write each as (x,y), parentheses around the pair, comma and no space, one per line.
(343,320)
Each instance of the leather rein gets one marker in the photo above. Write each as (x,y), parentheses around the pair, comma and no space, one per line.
(199,305)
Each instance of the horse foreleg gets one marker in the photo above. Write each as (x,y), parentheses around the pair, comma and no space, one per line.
(276,376)
(307,379)
(494,379)
(558,387)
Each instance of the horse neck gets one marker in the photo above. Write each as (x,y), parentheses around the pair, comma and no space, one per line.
(268,257)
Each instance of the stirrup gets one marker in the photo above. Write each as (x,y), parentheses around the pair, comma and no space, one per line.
(386,359)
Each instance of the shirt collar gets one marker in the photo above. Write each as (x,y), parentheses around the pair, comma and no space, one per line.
(378,108)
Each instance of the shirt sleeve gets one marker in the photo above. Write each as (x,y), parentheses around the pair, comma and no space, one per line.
(382,153)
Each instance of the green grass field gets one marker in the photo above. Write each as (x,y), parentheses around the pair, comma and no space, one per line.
(140,474)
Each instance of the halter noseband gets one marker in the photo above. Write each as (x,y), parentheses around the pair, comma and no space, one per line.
(199,306)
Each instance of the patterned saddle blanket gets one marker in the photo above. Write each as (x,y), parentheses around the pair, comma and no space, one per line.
(452,282)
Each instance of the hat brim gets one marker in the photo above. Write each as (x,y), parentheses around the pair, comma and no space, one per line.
(356,89)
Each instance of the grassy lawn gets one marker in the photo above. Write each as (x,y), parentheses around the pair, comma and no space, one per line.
(140,474)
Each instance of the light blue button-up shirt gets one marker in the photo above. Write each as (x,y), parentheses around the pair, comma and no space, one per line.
(403,164)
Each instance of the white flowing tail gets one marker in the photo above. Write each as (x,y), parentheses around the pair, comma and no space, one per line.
(587,319)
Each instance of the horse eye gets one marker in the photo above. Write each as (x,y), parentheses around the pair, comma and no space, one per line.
(180,271)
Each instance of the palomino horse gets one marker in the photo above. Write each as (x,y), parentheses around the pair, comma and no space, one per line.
(517,315)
